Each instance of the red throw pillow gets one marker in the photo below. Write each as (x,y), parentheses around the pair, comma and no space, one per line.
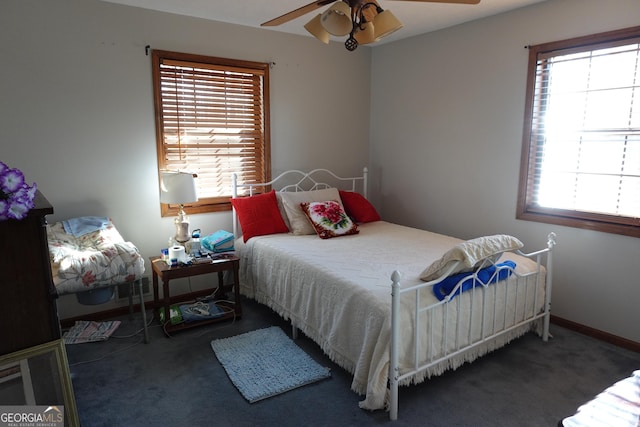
(259,215)
(358,208)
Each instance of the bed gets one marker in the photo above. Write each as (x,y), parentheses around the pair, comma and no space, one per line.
(392,305)
(89,257)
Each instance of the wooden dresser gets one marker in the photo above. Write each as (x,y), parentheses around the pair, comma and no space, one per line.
(27,298)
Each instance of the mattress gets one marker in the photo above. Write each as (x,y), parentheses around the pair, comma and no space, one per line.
(93,260)
(338,292)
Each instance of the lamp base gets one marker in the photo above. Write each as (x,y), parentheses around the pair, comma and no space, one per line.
(182,227)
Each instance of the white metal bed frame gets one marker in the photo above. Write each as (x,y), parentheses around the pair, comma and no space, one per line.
(306,181)
(303,181)
(488,331)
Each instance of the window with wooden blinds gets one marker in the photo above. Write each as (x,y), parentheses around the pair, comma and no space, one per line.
(212,119)
(581,147)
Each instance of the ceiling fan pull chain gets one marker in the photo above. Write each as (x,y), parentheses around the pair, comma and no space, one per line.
(352,44)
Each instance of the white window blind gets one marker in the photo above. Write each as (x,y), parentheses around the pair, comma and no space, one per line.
(212,121)
(583,142)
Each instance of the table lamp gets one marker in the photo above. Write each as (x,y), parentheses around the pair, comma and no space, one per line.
(178,188)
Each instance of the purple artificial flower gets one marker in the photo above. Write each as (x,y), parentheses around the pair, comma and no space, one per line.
(31,194)
(11,180)
(16,197)
(17,210)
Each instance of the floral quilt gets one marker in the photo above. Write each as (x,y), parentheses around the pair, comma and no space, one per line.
(94,260)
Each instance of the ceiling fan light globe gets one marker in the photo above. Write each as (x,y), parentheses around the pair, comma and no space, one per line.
(337,19)
(385,23)
(365,33)
(315,28)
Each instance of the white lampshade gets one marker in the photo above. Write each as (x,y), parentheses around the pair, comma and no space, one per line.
(385,23)
(337,19)
(178,188)
(365,33)
(317,30)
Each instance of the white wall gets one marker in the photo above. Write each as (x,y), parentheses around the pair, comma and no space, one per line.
(446,133)
(76,108)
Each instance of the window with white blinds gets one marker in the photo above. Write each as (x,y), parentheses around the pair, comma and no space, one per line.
(212,119)
(581,148)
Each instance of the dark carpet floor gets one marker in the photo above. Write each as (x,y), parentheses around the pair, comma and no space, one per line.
(178,381)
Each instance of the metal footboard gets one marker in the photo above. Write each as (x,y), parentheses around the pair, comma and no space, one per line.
(487,307)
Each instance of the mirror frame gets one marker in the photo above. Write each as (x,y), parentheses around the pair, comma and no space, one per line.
(63,379)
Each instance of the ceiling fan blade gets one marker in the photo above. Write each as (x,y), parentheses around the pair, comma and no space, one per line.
(296,13)
(448,1)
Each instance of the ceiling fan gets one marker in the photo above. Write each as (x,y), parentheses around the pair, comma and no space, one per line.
(364,21)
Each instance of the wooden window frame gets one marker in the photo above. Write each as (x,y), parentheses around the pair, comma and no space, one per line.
(259,159)
(527,209)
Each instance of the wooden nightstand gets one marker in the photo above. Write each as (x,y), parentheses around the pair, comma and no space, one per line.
(219,264)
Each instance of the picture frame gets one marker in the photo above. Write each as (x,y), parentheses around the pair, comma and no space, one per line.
(38,377)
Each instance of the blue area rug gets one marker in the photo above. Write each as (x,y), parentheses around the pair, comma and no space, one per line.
(266,362)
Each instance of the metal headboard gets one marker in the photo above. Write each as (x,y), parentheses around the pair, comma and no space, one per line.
(296,180)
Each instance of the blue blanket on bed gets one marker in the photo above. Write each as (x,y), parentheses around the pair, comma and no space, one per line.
(84,225)
(486,276)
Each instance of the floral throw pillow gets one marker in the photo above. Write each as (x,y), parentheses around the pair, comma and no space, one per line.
(329,219)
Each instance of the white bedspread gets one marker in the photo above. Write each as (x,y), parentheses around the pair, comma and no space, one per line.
(338,292)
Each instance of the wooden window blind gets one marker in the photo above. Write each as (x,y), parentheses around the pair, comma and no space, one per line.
(581,145)
(212,119)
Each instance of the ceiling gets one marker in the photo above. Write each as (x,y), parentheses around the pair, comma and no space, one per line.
(417,17)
